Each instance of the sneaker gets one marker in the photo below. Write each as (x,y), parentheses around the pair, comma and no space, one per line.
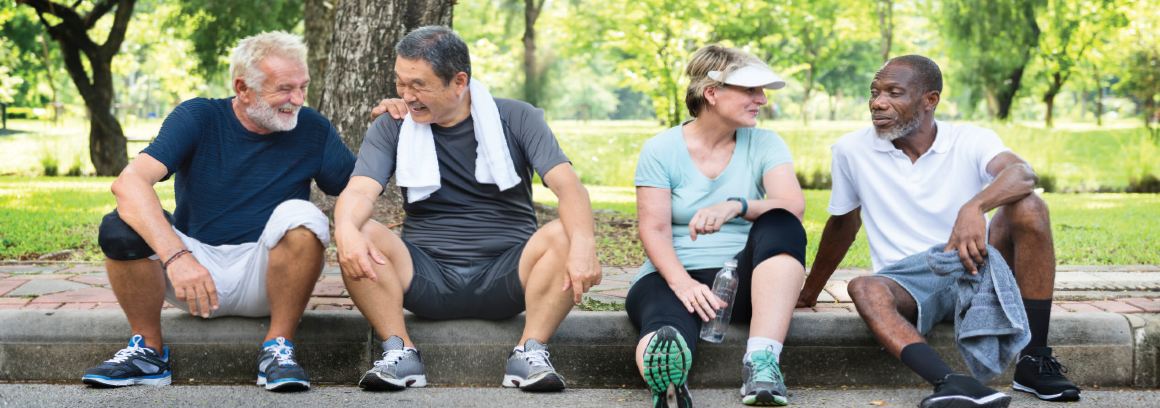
(1039,373)
(962,391)
(400,368)
(530,369)
(666,368)
(764,384)
(278,370)
(133,365)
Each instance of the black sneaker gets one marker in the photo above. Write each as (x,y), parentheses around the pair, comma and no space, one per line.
(133,365)
(962,391)
(277,368)
(1037,372)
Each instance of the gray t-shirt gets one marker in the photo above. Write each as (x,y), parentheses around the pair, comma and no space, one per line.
(466,219)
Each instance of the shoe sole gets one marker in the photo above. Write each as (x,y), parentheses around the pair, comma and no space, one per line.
(101,381)
(284,385)
(999,400)
(764,398)
(1061,397)
(666,360)
(547,382)
(374,382)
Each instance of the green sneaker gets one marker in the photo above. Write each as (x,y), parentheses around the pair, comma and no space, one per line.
(764,384)
(666,368)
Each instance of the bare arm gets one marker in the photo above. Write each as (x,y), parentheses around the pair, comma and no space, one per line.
(839,233)
(782,191)
(351,213)
(583,265)
(654,211)
(1014,180)
(139,207)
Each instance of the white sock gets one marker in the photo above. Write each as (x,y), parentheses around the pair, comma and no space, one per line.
(410,349)
(519,348)
(760,344)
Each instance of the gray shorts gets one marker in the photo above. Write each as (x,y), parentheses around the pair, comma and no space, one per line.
(935,295)
(485,288)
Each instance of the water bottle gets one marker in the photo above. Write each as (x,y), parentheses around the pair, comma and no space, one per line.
(725,288)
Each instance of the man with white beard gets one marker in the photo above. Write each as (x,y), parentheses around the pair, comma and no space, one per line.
(916,183)
(243,239)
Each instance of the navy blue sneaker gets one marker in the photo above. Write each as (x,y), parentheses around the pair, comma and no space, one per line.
(278,370)
(133,365)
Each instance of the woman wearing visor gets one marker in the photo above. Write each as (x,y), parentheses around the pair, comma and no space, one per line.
(713,189)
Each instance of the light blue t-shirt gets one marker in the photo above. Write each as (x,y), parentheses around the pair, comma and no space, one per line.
(665,163)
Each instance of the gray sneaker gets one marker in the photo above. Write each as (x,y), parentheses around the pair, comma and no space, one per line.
(764,384)
(397,370)
(530,369)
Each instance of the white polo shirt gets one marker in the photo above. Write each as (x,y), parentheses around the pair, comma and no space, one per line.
(910,207)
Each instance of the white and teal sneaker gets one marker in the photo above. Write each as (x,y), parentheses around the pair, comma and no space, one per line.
(764,384)
(277,368)
(666,369)
(133,365)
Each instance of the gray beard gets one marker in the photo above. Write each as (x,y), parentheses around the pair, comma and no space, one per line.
(901,130)
(266,116)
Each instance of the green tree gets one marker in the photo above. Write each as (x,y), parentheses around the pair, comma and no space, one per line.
(1072,28)
(70,28)
(215,26)
(994,39)
(1140,70)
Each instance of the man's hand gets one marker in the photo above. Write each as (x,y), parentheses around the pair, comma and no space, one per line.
(583,267)
(969,237)
(807,299)
(355,253)
(710,219)
(698,298)
(396,107)
(193,284)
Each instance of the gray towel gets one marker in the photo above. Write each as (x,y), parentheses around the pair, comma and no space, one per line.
(990,321)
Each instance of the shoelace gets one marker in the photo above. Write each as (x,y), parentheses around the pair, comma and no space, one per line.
(283,354)
(765,369)
(1050,365)
(538,358)
(390,358)
(125,353)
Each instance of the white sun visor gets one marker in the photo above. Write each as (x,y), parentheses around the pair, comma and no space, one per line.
(751,76)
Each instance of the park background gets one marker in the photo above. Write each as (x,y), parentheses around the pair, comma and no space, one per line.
(1071,85)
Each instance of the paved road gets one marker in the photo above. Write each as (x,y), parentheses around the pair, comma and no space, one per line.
(41,395)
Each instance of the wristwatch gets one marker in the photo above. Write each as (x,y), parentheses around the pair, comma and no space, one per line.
(744,205)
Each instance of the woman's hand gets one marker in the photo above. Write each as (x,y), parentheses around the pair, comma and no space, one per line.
(709,219)
(698,298)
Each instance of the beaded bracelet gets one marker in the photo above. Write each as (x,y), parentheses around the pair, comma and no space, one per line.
(165,266)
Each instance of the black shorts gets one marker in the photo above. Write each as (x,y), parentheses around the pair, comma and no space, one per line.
(485,288)
(651,304)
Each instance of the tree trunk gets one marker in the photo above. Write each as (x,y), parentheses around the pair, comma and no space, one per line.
(1049,97)
(808,85)
(885,10)
(360,70)
(1099,101)
(319,31)
(106,138)
(531,73)
(1006,95)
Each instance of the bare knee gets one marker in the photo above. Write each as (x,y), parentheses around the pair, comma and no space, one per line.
(1028,215)
(300,239)
(557,237)
(865,288)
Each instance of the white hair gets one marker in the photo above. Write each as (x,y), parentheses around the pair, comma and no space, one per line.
(248,55)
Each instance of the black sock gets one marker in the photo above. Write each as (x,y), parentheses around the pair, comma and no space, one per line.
(1038,318)
(923,361)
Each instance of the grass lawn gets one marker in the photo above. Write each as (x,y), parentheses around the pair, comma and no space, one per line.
(39,215)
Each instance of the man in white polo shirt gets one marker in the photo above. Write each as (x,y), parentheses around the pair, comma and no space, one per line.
(916,182)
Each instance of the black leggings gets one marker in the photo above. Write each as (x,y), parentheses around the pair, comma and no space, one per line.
(652,305)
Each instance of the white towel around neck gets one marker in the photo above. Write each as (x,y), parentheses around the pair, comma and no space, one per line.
(417,166)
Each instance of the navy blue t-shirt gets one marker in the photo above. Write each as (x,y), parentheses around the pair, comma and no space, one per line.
(229,179)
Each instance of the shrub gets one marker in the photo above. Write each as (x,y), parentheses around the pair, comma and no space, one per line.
(50,163)
(78,167)
(1147,183)
(1047,182)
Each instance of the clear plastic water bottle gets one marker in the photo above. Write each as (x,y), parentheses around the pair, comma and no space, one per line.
(725,288)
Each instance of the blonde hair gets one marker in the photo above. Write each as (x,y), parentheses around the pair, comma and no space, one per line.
(713,57)
(248,55)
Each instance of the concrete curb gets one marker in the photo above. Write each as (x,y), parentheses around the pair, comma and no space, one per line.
(591,349)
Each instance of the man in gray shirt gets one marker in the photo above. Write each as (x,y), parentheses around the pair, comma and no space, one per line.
(471,250)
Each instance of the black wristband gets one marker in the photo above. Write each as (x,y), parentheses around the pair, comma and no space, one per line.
(744,205)
(165,266)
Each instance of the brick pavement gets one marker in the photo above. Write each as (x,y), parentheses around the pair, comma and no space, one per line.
(1097,284)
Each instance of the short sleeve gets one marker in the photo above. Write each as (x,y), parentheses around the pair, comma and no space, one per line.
(987,146)
(843,194)
(528,126)
(650,168)
(179,135)
(376,156)
(774,151)
(337,164)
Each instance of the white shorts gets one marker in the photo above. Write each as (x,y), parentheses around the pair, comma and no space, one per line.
(239,271)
